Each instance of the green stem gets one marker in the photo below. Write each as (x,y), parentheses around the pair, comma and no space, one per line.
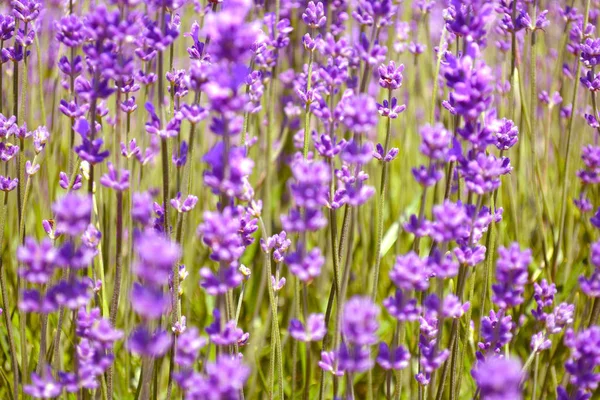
(307,107)
(165,176)
(563,206)
(6,312)
(435,78)
(307,344)
(114,304)
(275,335)
(380,211)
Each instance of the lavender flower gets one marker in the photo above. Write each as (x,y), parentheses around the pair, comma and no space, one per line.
(499,378)
(585,357)
(220,232)
(359,321)
(72,213)
(511,274)
(313,331)
(305,266)
(410,272)
(358,113)
(396,359)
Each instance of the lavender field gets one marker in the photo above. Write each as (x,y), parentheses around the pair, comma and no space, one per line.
(291,199)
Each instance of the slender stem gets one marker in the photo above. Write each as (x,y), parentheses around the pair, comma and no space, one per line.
(535,376)
(238,309)
(307,373)
(114,304)
(165,176)
(307,107)
(563,206)
(5,306)
(41,365)
(438,65)
(381,208)
(276,354)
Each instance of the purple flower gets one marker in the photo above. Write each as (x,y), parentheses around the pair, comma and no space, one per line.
(141,208)
(496,331)
(150,344)
(410,272)
(435,142)
(539,342)
(44,386)
(228,278)
(231,37)
(326,146)
(380,10)
(471,81)
(240,167)
(354,358)
(149,302)
(8,151)
(585,357)
(442,265)
(156,256)
(72,213)
(306,266)
(277,285)
(359,321)
(311,183)
(180,160)
(508,135)
(470,255)
(544,297)
(189,344)
(155,126)
(314,15)
(397,359)
(26,10)
(386,158)
(390,109)
(129,105)
(431,357)
(225,335)
(69,31)
(116,180)
(358,113)
(279,243)
(451,222)
(561,317)
(220,232)
(499,378)
(482,172)
(427,176)
(590,52)
(7,184)
(7,27)
(309,220)
(355,153)
(401,307)
(37,260)
(329,363)
(72,295)
(452,307)
(314,330)
(90,151)
(186,205)
(225,377)
(579,394)
(511,275)
(390,77)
